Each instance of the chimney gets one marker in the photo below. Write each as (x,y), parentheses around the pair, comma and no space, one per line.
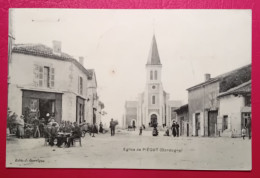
(207,77)
(56,45)
(81,60)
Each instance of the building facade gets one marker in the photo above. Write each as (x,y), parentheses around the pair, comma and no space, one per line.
(45,80)
(235,110)
(183,120)
(203,103)
(153,105)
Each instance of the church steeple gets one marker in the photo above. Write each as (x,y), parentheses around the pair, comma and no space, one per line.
(153,58)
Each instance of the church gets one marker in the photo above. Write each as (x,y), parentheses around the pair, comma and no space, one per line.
(153,105)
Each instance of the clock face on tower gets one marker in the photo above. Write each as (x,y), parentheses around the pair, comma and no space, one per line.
(153,87)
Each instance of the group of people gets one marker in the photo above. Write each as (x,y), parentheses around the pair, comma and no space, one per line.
(65,133)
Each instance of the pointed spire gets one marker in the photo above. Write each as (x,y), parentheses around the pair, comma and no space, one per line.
(154,58)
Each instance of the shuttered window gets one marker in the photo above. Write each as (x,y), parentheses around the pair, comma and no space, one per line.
(44,76)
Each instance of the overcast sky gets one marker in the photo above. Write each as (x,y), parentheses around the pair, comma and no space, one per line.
(190,42)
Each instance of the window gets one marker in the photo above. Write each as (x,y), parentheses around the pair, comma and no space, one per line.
(46,77)
(248,101)
(43,76)
(155,75)
(151,75)
(153,100)
(80,85)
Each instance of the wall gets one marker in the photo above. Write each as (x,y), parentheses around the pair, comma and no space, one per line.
(21,71)
(200,100)
(231,105)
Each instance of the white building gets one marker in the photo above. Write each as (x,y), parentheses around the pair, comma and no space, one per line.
(153,105)
(45,80)
(235,110)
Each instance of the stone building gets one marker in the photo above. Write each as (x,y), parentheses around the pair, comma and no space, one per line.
(45,80)
(183,120)
(234,110)
(153,105)
(203,103)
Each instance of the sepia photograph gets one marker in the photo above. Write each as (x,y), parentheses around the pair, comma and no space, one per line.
(129,89)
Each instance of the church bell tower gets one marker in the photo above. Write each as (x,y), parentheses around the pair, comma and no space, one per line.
(153,90)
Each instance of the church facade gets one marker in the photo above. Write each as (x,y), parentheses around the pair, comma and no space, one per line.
(153,105)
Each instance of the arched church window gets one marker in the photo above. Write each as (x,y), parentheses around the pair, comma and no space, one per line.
(151,75)
(155,75)
(153,100)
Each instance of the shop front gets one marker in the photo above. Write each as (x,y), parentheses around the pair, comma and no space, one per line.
(39,104)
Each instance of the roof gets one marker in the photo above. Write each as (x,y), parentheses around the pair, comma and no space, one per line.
(153,57)
(47,52)
(244,88)
(182,108)
(217,78)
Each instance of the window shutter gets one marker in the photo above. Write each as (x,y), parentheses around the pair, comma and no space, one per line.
(40,76)
(78,84)
(36,75)
(52,77)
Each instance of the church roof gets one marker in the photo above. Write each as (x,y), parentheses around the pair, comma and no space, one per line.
(154,58)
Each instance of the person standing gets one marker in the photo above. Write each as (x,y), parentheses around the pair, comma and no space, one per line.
(100,127)
(53,134)
(177,129)
(174,129)
(20,126)
(244,133)
(140,130)
(112,127)
(36,124)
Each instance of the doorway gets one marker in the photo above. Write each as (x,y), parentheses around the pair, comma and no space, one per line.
(212,123)
(197,124)
(153,120)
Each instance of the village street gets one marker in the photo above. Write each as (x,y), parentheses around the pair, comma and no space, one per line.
(129,150)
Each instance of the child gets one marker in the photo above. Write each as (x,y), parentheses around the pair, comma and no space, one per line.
(244,133)
(141,129)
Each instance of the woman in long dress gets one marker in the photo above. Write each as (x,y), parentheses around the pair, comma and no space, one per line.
(20,125)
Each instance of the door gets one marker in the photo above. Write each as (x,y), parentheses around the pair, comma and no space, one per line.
(212,121)
(80,110)
(187,130)
(153,120)
(246,122)
(197,124)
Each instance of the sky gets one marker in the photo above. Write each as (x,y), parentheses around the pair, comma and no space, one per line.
(116,44)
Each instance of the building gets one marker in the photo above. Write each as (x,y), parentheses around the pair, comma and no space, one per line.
(235,110)
(203,103)
(183,120)
(153,105)
(130,113)
(45,80)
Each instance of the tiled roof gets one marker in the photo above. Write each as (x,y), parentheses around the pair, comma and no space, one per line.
(244,88)
(182,108)
(217,78)
(47,52)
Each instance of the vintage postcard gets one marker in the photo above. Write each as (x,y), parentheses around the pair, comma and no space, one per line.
(134,89)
